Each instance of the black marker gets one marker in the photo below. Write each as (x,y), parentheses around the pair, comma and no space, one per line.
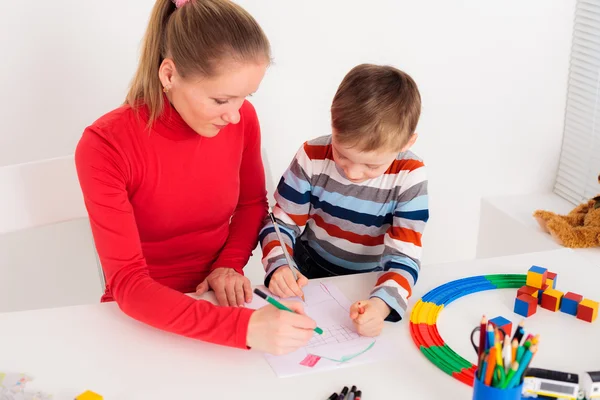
(343,393)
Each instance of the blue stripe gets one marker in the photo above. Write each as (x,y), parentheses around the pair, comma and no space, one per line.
(390,301)
(421,215)
(352,216)
(416,204)
(358,205)
(340,262)
(291,194)
(404,263)
(298,184)
(270,229)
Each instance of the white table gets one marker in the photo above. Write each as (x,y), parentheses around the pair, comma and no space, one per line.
(69,350)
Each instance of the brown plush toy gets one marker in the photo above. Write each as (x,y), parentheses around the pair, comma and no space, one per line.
(580,228)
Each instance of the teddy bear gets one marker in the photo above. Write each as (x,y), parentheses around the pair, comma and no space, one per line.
(580,228)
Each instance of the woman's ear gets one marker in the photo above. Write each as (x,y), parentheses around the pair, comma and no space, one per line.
(166,72)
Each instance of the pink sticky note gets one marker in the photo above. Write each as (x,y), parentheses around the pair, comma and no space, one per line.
(310,361)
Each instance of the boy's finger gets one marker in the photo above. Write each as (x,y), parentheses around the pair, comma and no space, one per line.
(274,288)
(292,284)
(364,319)
(302,280)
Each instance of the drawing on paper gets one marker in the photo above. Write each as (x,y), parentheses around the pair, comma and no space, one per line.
(339,343)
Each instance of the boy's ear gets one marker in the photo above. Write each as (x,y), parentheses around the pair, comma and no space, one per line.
(411,141)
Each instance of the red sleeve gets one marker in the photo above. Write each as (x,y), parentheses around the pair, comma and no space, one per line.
(103,176)
(252,204)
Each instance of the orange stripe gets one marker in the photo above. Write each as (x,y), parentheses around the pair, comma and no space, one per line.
(405,235)
(318,152)
(399,279)
(269,246)
(404,165)
(299,219)
(275,243)
(336,231)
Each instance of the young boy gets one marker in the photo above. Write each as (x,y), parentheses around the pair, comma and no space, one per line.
(356,200)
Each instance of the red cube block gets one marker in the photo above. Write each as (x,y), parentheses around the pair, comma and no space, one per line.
(551,299)
(551,279)
(530,290)
(502,323)
(587,310)
(525,305)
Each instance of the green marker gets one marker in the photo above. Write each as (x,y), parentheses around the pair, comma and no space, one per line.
(281,306)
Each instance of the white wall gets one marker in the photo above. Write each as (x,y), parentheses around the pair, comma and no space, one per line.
(492,76)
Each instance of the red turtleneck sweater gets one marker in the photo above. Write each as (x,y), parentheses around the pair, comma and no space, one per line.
(168,206)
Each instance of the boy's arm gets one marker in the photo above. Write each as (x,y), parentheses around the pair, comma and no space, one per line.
(402,254)
(291,213)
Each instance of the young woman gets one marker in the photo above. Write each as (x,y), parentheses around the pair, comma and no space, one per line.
(174,184)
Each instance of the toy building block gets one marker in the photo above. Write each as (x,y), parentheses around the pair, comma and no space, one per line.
(525,305)
(89,395)
(551,279)
(533,292)
(570,303)
(536,277)
(503,323)
(551,299)
(541,293)
(587,310)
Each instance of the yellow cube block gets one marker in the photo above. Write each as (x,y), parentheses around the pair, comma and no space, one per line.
(536,277)
(89,395)
(587,310)
(551,299)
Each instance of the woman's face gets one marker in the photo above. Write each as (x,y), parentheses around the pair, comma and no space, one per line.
(206,104)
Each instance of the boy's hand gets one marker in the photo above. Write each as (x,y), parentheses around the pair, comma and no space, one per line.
(368,316)
(284,285)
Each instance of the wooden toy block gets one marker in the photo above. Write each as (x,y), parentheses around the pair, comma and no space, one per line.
(536,277)
(551,299)
(587,310)
(541,292)
(525,305)
(533,292)
(570,303)
(503,323)
(551,279)
(89,395)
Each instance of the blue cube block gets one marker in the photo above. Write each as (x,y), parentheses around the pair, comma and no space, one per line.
(525,305)
(537,269)
(570,303)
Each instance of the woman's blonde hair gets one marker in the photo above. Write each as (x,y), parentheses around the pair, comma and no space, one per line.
(197,37)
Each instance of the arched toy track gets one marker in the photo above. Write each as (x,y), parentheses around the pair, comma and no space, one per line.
(423,319)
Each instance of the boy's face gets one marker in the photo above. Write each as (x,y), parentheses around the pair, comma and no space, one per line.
(359,166)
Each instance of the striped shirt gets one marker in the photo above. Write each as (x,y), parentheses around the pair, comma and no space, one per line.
(375,225)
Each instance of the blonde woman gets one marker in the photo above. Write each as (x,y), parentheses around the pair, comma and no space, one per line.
(174,184)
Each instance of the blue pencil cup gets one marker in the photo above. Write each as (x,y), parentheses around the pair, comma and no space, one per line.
(483,392)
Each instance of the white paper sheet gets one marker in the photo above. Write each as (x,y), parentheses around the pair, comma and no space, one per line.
(339,346)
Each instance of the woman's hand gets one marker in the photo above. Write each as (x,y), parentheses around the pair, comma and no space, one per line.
(230,287)
(278,332)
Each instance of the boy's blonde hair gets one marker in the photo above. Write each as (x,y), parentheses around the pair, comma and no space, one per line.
(197,37)
(375,107)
